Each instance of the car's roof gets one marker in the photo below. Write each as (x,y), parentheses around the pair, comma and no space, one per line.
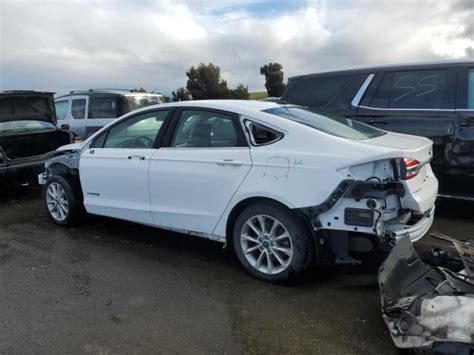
(369,69)
(250,108)
(227,105)
(24,92)
(107,92)
(242,107)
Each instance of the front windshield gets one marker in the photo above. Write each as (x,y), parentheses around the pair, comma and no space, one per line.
(330,124)
(22,126)
(134,102)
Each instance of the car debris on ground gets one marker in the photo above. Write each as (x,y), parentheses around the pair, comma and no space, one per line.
(429,305)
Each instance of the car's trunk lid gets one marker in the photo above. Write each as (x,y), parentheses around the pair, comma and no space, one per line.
(27,105)
(422,189)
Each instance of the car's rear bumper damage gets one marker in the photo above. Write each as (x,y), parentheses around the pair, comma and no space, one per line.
(417,227)
(425,306)
(370,207)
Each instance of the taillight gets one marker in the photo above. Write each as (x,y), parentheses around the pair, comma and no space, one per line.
(410,168)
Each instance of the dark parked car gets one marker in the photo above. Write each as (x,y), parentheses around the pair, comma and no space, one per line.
(27,133)
(434,100)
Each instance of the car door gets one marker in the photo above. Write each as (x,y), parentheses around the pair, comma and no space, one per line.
(418,102)
(62,110)
(114,169)
(77,115)
(195,174)
(462,156)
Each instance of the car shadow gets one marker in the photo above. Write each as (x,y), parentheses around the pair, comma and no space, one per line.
(19,192)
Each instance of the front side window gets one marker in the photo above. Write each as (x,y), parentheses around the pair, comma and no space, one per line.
(470,89)
(104,107)
(422,89)
(331,124)
(138,132)
(78,109)
(199,129)
(61,109)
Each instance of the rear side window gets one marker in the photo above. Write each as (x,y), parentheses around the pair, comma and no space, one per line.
(61,109)
(104,107)
(422,89)
(78,109)
(331,124)
(203,129)
(470,89)
(316,92)
(261,135)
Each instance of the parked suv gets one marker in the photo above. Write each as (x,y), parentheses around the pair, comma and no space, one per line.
(434,100)
(85,112)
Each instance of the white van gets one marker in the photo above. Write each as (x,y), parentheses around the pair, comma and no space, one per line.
(85,112)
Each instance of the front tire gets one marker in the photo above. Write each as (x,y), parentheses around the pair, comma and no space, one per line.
(62,200)
(272,243)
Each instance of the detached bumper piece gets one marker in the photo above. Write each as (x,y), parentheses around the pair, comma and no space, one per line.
(415,231)
(428,308)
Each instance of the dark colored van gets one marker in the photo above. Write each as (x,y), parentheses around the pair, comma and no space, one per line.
(434,100)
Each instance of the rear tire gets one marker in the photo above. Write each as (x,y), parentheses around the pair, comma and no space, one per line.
(272,243)
(63,200)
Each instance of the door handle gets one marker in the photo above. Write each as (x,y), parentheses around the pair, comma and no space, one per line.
(230,162)
(377,122)
(141,157)
(65,126)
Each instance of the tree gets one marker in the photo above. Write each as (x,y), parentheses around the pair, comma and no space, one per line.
(166,98)
(181,94)
(204,82)
(140,89)
(241,92)
(273,79)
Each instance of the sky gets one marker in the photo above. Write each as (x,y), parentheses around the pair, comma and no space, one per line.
(60,45)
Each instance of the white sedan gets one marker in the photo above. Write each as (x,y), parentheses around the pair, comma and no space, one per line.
(280,184)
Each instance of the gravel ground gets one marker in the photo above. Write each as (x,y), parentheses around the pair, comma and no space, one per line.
(109,286)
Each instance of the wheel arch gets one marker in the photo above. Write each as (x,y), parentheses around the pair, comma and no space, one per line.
(243,204)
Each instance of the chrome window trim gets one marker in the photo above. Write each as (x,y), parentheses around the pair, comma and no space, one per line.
(408,109)
(358,96)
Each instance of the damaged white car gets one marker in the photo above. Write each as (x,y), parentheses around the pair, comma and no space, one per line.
(280,184)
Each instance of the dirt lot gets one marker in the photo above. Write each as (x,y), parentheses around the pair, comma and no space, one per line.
(113,287)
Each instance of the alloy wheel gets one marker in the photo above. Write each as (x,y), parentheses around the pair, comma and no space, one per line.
(57,202)
(266,244)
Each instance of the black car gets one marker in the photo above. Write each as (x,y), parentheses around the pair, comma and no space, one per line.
(434,100)
(27,133)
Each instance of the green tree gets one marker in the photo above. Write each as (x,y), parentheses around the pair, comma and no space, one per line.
(140,89)
(273,79)
(241,92)
(181,94)
(204,82)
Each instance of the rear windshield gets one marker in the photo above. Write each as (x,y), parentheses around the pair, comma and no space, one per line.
(24,126)
(330,124)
